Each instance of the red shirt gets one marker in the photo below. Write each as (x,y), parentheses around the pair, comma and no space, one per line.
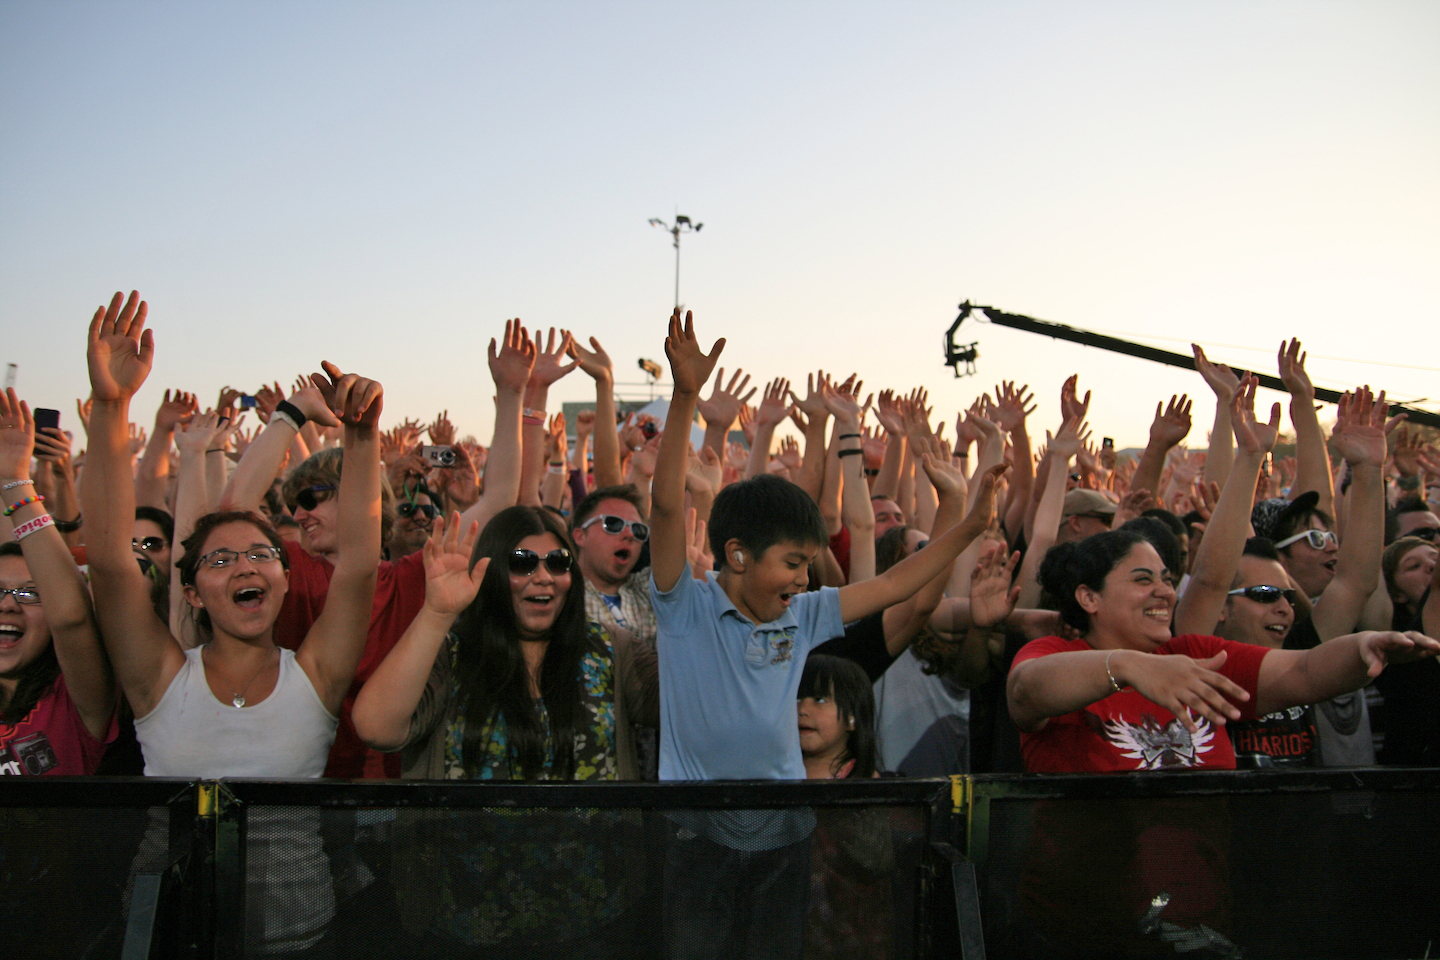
(1126,732)
(52,739)
(399,595)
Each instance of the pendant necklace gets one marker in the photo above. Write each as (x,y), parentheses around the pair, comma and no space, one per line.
(239,699)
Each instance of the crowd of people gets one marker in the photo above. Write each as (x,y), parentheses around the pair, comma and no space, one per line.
(321,597)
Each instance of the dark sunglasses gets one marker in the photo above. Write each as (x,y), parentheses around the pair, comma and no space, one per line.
(408,510)
(525,562)
(1425,533)
(307,500)
(1264,593)
(616,524)
(148,544)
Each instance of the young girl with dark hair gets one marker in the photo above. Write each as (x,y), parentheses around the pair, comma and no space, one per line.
(837,720)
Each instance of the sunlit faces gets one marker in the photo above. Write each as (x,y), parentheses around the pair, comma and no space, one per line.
(150,542)
(1246,620)
(824,734)
(539,595)
(607,559)
(319,522)
(1413,573)
(887,515)
(24,631)
(1312,569)
(1133,608)
(414,518)
(762,588)
(242,597)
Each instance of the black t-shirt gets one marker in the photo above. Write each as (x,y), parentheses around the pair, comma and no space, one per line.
(864,642)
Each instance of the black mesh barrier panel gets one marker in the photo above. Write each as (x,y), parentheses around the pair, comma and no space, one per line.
(506,871)
(69,858)
(1329,864)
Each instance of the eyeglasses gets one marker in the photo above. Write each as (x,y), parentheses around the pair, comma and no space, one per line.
(222,558)
(1264,593)
(148,544)
(408,510)
(1425,533)
(1316,538)
(22,594)
(617,524)
(523,563)
(307,500)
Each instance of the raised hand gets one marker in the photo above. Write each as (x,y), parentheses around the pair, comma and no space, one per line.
(747,423)
(1222,380)
(1252,436)
(889,413)
(584,424)
(450,584)
(690,367)
(17,439)
(556,442)
(726,402)
(549,365)
(1408,446)
(173,410)
(813,405)
(442,431)
(947,478)
(1381,647)
(225,403)
(843,402)
(1292,371)
(790,454)
(1012,405)
(354,400)
(1131,505)
(513,359)
(1173,423)
(1066,443)
(992,598)
(82,410)
(1360,427)
(267,398)
(1071,406)
(138,439)
(595,362)
(773,405)
(119,349)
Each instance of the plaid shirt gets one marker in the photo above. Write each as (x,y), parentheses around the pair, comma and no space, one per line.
(635,613)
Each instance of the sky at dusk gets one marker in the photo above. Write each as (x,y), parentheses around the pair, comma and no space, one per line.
(383,184)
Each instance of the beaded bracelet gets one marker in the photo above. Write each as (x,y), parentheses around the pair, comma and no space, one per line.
(37,498)
(30,526)
(1114,684)
(17,483)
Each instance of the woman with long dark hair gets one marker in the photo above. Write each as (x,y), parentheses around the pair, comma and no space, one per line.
(501,677)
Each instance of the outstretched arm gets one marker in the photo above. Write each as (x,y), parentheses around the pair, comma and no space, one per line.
(510,366)
(331,651)
(689,368)
(1171,425)
(1312,470)
(386,703)
(1291,677)
(145,657)
(1224,383)
(596,362)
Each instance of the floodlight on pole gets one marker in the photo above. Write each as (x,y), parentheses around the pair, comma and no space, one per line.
(682,224)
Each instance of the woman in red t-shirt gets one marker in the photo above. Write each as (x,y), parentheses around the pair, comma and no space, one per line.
(1106,702)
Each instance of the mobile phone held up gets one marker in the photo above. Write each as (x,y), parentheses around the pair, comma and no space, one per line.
(45,417)
(438,456)
(247,402)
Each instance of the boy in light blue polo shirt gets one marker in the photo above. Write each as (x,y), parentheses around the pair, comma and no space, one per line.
(731,650)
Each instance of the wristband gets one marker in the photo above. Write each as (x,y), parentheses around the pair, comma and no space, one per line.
(30,526)
(216,450)
(852,452)
(557,463)
(292,413)
(70,526)
(530,421)
(37,498)
(849,436)
(18,483)
(534,412)
(558,471)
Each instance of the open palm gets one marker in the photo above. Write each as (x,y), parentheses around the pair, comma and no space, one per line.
(119,350)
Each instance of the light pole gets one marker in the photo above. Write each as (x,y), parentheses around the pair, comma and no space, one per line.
(682,225)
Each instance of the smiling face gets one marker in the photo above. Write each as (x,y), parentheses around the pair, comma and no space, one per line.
(24,631)
(824,734)
(319,525)
(762,588)
(607,559)
(538,597)
(1311,569)
(243,598)
(409,534)
(147,532)
(1413,573)
(1132,610)
(1250,621)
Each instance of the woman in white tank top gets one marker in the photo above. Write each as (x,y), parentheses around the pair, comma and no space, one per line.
(237,705)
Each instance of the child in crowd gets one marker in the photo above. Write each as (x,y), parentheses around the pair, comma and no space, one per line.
(837,720)
(731,649)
